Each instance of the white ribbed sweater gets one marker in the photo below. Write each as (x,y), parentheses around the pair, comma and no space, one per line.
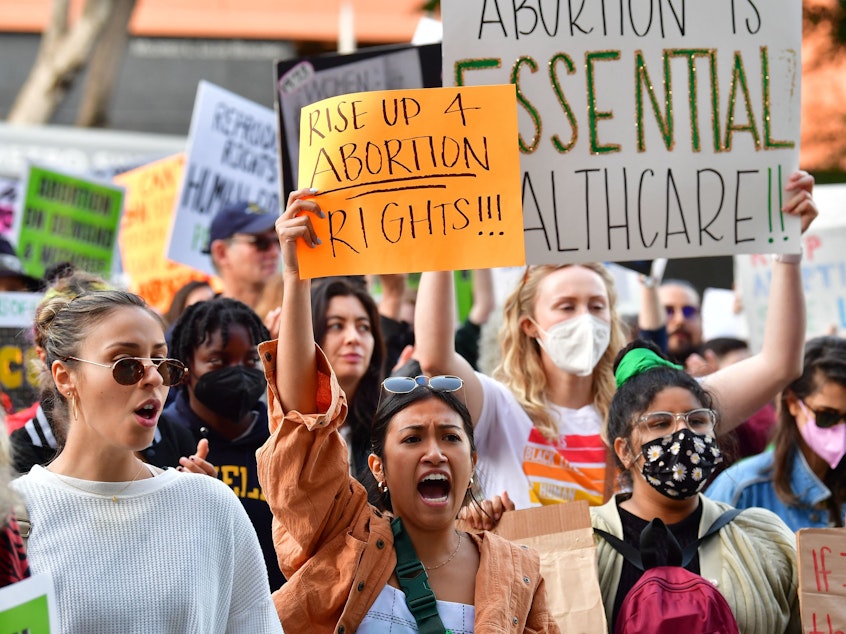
(176,553)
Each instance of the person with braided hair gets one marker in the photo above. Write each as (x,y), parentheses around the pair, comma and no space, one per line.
(220,400)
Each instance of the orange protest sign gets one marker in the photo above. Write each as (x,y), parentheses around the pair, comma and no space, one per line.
(413,180)
(150,194)
(822,579)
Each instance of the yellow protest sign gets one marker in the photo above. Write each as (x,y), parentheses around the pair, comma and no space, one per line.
(413,180)
(150,194)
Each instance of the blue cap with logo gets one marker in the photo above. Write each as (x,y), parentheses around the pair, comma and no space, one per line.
(239,217)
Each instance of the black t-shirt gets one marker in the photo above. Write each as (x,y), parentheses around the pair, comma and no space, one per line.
(686,532)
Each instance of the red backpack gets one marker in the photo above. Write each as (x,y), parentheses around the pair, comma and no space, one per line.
(668,599)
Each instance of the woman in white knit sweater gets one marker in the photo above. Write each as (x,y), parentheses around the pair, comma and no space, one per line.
(131,548)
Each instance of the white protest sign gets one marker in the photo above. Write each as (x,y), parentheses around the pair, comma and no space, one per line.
(304,85)
(654,128)
(231,156)
(823,272)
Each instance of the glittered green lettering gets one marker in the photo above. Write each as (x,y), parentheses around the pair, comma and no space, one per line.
(563,148)
(595,115)
(665,122)
(533,113)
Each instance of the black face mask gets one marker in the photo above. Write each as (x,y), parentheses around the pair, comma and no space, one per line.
(231,392)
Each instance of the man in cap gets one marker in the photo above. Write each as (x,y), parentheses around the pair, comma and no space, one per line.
(244,249)
(12,276)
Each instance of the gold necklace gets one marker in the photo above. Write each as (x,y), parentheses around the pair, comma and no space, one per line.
(444,563)
(114,496)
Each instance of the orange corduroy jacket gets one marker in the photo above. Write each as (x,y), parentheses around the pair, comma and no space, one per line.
(336,550)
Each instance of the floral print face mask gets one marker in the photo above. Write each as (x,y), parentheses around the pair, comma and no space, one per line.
(679,465)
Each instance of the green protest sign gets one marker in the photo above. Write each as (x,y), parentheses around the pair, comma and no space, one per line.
(28,606)
(67,218)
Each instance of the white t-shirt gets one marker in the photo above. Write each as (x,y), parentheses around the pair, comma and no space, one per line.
(515,457)
(390,613)
(175,553)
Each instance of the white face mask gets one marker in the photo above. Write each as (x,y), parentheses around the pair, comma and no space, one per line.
(576,345)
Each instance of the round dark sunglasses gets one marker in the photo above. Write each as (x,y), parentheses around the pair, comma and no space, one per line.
(688,312)
(130,370)
(406,384)
(825,418)
(261,242)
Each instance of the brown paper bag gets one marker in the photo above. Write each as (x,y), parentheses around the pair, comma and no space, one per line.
(562,535)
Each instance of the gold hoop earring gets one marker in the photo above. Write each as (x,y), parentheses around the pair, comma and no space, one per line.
(383,488)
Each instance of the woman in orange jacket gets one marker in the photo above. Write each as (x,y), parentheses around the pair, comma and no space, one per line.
(354,566)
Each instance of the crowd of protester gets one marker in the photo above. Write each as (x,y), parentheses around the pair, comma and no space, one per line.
(295,453)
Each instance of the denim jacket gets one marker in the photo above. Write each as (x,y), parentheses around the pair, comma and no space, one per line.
(749,483)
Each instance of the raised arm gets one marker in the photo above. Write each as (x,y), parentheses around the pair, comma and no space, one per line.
(434,336)
(743,388)
(296,374)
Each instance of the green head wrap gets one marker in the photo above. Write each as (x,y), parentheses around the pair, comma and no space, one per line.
(639,360)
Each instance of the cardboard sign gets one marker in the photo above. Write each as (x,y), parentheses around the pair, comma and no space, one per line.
(562,535)
(822,579)
(823,272)
(305,80)
(29,606)
(150,197)
(231,156)
(64,217)
(413,180)
(648,129)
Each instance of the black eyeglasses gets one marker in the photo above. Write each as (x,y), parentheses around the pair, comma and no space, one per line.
(406,384)
(825,418)
(261,242)
(130,370)
(687,311)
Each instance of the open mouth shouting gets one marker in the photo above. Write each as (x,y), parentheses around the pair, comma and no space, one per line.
(434,489)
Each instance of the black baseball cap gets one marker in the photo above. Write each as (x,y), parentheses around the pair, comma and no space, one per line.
(10,266)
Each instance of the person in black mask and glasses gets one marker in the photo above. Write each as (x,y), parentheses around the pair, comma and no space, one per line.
(220,400)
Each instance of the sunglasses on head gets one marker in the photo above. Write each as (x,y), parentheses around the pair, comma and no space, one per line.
(687,311)
(260,242)
(130,370)
(825,418)
(406,384)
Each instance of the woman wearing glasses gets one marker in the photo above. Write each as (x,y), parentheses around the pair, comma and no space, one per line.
(662,426)
(802,476)
(353,566)
(131,548)
(538,420)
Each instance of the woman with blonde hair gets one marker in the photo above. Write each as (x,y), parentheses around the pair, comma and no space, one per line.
(539,422)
